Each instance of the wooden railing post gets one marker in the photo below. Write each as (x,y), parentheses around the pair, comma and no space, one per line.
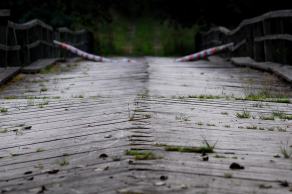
(36,41)
(265,38)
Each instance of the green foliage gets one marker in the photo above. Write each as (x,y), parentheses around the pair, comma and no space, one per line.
(164,32)
(145,36)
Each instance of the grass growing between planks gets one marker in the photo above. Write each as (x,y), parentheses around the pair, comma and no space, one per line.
(205,97)
(3,110)
(277,114)
(228,175)
(51,69)
(182,117)
(43,89)
(243,115)
(264,97)
(202,149)
(63,162)
(252,127)
(286,150)
(267,117)
(205,148)
(30,97)
(142,155)
(266,93)
(282,115)
(3,130)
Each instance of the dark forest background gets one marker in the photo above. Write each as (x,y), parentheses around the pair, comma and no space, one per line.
(141,27)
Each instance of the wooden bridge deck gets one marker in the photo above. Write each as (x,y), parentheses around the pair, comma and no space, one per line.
(67,129)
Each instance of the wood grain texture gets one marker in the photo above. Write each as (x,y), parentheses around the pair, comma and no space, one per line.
(67,130)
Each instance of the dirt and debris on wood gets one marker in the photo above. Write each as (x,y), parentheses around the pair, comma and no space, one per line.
(153,127)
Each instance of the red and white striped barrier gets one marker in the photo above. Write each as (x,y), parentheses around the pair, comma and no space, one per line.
(205,53)
(88,56)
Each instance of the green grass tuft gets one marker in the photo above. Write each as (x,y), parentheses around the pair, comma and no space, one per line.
(78,96)
(182,117)
(282,115)
(211,125)
(10,97)
(43,89)
(3,130)
(281,129)
(142,155)
(209,97)
(64,162)
(267,117)
(205,97)
(3,110)
(200,123)
(228,175)
(40,150)
(279,114)
(243,115)
(252,127)
(202,149)
(286,150)
(219,156)
(262,97)
(206,148)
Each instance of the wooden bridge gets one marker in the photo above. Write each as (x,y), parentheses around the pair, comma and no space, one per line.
(84,127)
(153,127)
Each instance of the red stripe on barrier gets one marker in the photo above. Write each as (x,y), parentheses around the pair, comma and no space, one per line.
(198,57)
(205,54)
(189,57)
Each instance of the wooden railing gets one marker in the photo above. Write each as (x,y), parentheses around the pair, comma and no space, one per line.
(22,44)
(264,38)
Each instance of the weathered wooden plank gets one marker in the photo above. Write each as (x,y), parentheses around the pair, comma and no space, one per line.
(7,73)
(283,71)
(39,65)
(4,12)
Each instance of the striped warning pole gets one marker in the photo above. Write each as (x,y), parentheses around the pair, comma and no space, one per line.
(87,55)
(205,53)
